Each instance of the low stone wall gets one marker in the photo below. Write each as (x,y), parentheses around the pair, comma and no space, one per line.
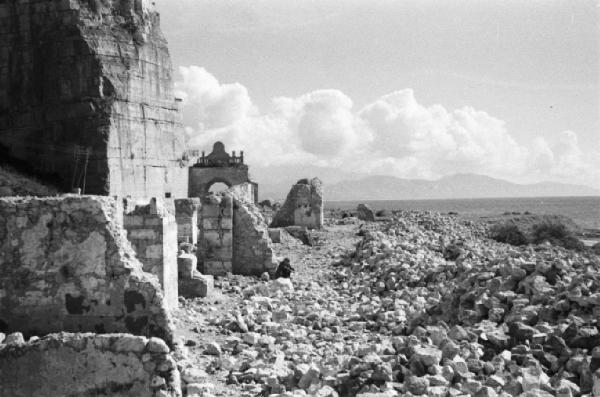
(66,265)
(186,215)
(152,231)
(89,365)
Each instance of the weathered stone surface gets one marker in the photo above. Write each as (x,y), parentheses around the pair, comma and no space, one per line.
(186,215)
(87,365)
(303,206)
(252,247)
(65,264)
(87,96)
(152,232)
(191,282)
(365,213)
(197,286)
(234,235)
(215,243)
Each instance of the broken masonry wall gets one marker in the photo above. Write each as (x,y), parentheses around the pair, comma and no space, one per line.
(186,215)
(242,192)
(87,96)
(215,242)
(303,206)
(152,232)
(252,247)
(66,265)
(86,364)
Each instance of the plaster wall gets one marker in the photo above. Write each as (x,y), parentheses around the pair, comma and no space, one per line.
(66,265)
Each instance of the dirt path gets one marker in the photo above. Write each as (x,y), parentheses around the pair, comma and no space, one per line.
(200,322)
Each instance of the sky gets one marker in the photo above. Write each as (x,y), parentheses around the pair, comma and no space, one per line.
(413,89)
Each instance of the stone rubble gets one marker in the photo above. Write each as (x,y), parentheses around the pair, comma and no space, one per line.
(395,317)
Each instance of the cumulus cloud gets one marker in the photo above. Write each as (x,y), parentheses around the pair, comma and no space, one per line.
(211,104)
(393,135)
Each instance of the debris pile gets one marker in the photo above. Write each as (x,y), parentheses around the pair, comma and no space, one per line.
(425,305)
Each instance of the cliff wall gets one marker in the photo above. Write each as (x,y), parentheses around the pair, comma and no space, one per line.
(86,96)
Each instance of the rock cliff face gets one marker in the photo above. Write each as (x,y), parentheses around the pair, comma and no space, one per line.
(86,95)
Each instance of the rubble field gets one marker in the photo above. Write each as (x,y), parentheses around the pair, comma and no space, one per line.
(419,304)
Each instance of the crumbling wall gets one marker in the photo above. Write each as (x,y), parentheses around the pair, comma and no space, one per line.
(303,206)
(215,245)
(65,264)
(89,365)
(186,215)
(87,96)
(152,232)
(252,247)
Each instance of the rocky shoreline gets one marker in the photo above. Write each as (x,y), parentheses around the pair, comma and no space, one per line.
(422,304)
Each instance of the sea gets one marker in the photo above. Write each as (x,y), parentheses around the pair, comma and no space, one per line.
(585,211)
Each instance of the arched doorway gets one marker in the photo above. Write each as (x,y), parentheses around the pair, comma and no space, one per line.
(217,187)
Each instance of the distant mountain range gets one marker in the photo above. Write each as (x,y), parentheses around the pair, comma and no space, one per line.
(449,187)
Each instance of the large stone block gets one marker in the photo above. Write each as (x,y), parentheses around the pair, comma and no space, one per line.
(107,121)
(198,286)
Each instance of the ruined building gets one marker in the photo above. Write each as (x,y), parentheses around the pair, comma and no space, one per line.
(219,166)
(86,97)
(303,206)
(86,100)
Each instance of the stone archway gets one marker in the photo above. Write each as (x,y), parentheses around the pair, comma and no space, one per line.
(218,166)
(217,181)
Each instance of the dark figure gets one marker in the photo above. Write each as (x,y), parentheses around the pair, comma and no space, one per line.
(284,270)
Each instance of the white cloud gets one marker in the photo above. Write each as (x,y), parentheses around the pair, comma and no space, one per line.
(394,135)
(210,104)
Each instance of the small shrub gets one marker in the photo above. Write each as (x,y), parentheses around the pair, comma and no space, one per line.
(383,213)
(557,233)
(508,233)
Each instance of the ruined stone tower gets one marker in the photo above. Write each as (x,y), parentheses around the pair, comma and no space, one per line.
(86,96)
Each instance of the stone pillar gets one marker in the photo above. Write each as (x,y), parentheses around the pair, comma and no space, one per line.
(215,245)
(152,232)
(186,214)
